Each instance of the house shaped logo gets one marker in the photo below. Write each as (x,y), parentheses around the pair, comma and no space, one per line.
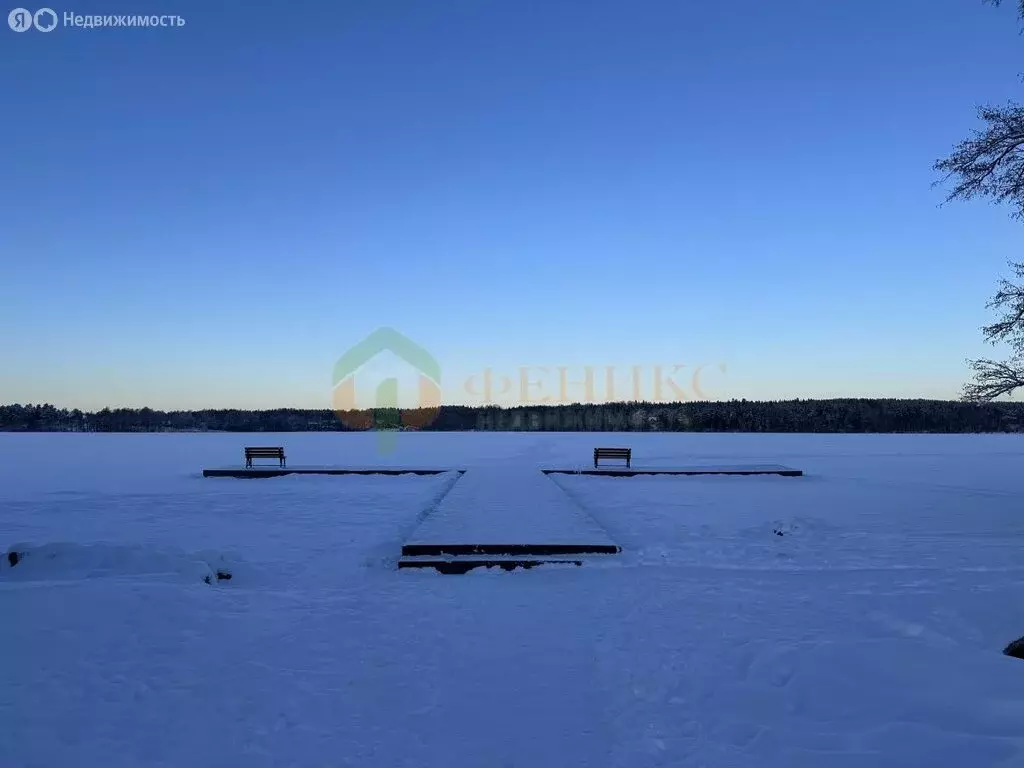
(428,383)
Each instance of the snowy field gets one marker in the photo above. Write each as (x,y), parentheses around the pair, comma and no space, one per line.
(851,617)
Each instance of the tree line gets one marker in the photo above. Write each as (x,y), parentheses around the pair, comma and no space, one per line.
(836,415)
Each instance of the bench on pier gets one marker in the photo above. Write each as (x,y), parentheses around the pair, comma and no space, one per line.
(264,452)
(612,453)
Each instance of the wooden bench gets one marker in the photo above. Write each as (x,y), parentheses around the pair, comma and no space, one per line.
(612,453)
(264,452)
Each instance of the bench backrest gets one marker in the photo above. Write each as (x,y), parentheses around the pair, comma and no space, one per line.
(262,452)
(612,452)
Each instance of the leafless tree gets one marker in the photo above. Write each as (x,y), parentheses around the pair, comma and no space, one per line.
(990,163)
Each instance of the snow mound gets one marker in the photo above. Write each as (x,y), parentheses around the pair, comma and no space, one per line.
(68,561)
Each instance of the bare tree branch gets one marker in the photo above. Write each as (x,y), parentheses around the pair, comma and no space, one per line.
(993,379)
(997,3)
(1020,9)
(1010,299)
(1000,2)
(991,162)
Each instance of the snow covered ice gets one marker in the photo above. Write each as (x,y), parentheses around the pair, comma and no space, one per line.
(851,617)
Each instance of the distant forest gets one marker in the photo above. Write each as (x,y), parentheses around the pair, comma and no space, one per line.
(840,415)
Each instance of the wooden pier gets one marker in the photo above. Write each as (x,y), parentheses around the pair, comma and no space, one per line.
(507,518)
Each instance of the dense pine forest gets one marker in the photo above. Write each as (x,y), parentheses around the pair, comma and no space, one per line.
(840,415)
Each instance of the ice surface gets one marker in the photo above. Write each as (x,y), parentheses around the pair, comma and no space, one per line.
(851,617)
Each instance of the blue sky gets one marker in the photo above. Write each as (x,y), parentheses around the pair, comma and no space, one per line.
(211,215)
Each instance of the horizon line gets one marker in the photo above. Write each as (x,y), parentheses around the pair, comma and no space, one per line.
(521,406)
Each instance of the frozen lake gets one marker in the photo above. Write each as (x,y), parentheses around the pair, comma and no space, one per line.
(851,617)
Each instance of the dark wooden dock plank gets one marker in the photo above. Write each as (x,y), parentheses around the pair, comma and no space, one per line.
(464,565)
(633,471)
(261,472)
(537,550)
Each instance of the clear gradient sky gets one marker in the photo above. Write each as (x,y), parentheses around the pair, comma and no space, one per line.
(209,216)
